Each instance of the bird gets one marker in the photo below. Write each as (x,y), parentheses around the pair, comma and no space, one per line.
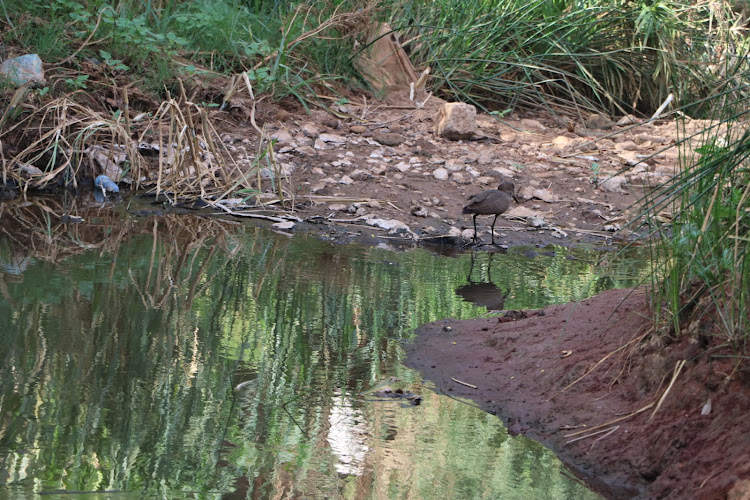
(491,202)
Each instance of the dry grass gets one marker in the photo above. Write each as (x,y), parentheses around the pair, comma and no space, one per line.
(175,151)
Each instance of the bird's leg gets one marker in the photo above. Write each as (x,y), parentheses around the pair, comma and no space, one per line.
(476,239)
(492,229)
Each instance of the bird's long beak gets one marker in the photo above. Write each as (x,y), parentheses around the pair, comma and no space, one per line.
(515,197)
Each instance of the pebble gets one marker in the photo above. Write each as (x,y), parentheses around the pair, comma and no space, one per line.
(440,174)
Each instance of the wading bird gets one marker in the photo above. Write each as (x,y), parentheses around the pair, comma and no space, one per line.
(491,202)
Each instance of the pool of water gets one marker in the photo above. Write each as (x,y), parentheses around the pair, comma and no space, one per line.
(186,357)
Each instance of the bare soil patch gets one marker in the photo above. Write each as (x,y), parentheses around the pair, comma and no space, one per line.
(389,166)
(523,366)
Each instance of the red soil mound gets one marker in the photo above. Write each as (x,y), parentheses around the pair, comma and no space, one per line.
(521,368)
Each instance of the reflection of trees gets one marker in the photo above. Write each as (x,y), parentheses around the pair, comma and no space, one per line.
(171,354)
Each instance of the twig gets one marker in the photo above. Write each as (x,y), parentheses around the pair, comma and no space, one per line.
(610,422)
(463,383)
(608,431)
(677,369)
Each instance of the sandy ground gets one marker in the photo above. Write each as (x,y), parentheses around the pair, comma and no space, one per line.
(388,174)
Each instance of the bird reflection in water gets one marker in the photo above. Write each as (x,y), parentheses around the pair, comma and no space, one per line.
(482,293)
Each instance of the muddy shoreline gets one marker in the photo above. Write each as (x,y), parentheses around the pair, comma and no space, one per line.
(601,425)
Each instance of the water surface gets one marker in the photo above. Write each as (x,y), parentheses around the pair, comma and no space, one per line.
(186,357)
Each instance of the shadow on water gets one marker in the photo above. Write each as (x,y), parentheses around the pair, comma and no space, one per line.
(188,357)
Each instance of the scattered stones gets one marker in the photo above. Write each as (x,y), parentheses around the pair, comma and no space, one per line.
(360,175)
(440,174)
(285,225)
(389,138)
(337,207)
(614,184)
(536,222)
(378,169)
(455,164)
(545,195)
(29,170)
(459,178)
(627,120)
(332,138)
(419,211)
(467,234)
(310,130)
(599,121)
(626,146)
(345,179)
(282,136)
(393,226)
(456,120)
(23,69)
(358,129)
(532,125)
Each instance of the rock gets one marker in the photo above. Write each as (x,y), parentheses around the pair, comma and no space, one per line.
(285,225)
(561,141)
(455,164)
(360,175)
(23,69)
(346,180)
(501,172)
(393,226)
(485,179)
(545,195)
(282,136)
(331,122)
(626,146)
(402,167)
(440,174)
(599,121)
(378,169)
(532,125)
(456,232)
(310,130)
(389,139)
(356,209)
(614,184)
(375,204)
(627,120)
(306,150)
(473,172)
(612,228)
(456,120)
(536,222)
(460,178)
(358,129)
(419,211)
(332,138)
(522,212)
(337,207)
(29,170)
(468,233)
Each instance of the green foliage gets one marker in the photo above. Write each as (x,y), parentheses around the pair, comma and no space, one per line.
(567,56)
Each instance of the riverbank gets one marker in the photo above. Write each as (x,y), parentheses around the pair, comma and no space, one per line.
(587,381)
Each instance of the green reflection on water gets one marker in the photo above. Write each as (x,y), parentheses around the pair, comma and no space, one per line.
(191,358)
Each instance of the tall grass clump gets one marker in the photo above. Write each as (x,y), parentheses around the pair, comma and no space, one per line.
(568,56)
(703,288)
